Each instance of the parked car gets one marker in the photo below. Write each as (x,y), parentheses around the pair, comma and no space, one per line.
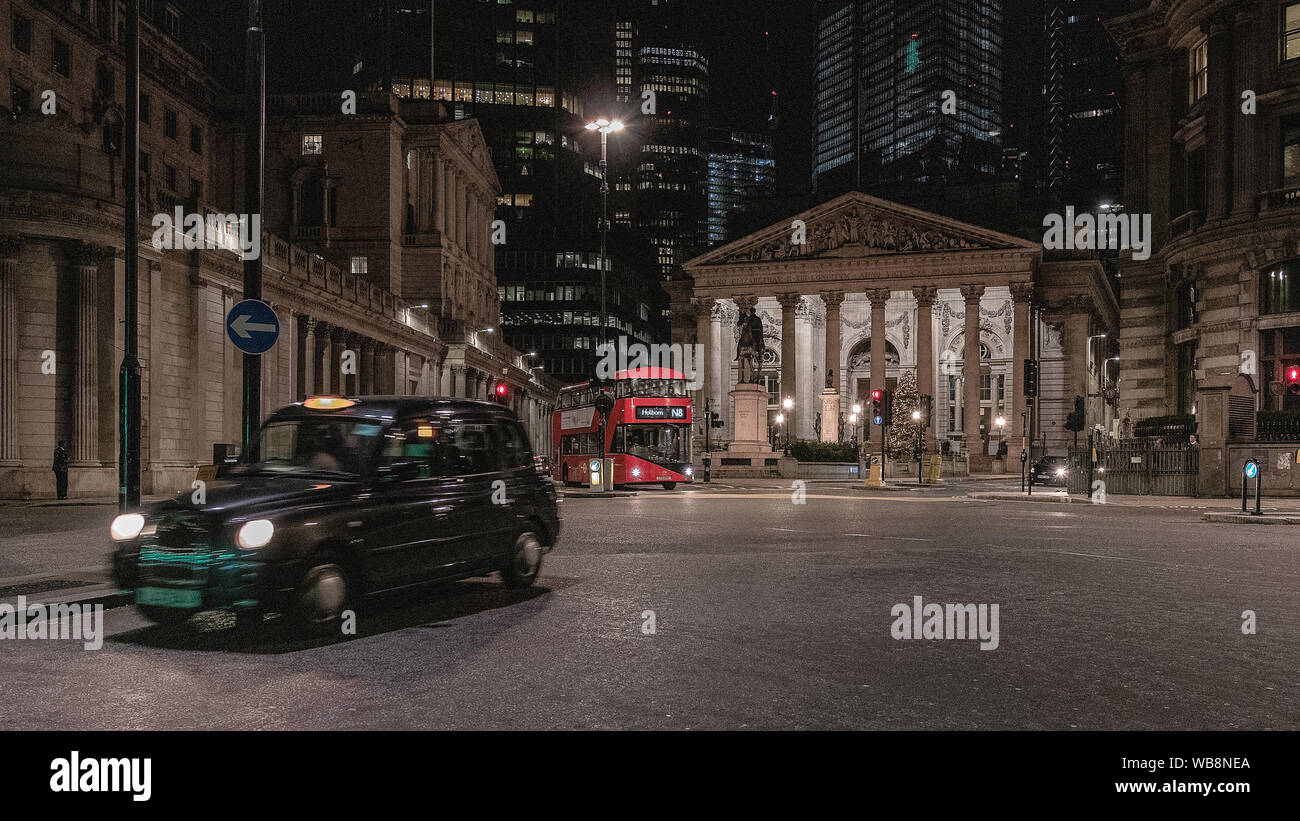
(342,498)
(544,466)
(1051,470)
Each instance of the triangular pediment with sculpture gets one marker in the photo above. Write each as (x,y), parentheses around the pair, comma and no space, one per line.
(858,225)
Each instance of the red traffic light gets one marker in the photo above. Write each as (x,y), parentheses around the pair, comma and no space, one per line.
(877,395)
(501,390)
(1293,373)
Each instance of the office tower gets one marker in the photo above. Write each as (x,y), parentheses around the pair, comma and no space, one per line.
(516,69)
(741,172)
(906,91)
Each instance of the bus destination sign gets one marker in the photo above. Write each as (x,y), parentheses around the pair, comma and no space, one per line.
(661,412)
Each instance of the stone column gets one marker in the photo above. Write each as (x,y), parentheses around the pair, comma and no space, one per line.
(351,382)
(1021,294)
(833,300)
(1247,173)
(878,298)
(86,260)
(703,338)
(307,358)
(1078,324)
(401,372)
(971,373)
(458,381)
(10,454)
(324,358)
(789,374)
(925,295)
(368,367)
(1220,116)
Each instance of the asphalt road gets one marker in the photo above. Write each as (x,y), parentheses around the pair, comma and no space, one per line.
(767,614)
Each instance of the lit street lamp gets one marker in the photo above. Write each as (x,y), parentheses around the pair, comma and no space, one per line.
(788,404)
(605,127)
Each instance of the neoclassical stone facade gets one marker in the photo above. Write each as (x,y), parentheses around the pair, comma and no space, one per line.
(878,289)
(411,319)
(1212,153)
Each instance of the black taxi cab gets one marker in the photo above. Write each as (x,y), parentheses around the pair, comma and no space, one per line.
(342,498)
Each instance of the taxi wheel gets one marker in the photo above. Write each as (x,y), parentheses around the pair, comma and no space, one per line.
(323,595)
(525,561)
(168,616)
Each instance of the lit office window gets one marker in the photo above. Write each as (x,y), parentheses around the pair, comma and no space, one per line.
(1199,70)
(312,143)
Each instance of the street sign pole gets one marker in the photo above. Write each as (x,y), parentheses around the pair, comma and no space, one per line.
(128,386)
(254,137)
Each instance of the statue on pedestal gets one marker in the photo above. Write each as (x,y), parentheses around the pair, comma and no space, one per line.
(749,348)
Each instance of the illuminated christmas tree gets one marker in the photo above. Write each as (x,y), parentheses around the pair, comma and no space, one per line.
(904,431)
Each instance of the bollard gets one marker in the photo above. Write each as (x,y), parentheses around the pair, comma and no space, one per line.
(1250,470)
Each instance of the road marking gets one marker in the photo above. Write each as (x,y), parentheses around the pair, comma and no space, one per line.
(790,530)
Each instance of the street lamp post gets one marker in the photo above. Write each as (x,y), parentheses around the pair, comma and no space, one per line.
(128,459)
(605,127)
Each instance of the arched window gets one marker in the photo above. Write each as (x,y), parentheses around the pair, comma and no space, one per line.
(311,201)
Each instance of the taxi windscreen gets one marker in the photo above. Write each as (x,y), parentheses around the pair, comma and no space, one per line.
(317,444)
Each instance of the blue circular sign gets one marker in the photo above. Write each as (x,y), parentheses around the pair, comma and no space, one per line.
(253,326)
(594,467)
(1252,469)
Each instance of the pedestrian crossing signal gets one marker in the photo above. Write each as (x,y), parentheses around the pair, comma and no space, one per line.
(1293,374)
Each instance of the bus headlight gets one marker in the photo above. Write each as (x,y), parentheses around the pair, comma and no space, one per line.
(126,527)
(255,534)
(636,472)
(690,471)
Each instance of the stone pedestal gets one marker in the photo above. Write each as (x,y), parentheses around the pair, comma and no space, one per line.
(750,432)
(830,415)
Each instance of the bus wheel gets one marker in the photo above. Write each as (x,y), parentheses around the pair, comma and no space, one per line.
(669,485)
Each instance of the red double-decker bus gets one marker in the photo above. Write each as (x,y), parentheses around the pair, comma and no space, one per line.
(648,434)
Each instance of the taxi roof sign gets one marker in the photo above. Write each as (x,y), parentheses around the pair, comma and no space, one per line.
(328,403)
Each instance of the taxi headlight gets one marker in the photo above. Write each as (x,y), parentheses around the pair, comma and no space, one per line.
(255,534)
(126,527)
(1060,471)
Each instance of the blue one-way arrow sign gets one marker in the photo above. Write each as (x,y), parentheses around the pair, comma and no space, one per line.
(252,326)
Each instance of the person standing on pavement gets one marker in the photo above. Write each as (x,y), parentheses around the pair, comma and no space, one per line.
(61,469)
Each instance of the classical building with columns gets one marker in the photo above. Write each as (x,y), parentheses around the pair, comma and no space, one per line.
(1212,153)
(381,274)
(876,289)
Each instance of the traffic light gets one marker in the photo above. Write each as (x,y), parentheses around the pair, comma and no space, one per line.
(878,406)
(715,420)
(888,403)
(1031,378)
(1292,374)
(501,392)
(927,409)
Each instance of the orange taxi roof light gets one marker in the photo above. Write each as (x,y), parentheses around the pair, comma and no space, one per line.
(328,403)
